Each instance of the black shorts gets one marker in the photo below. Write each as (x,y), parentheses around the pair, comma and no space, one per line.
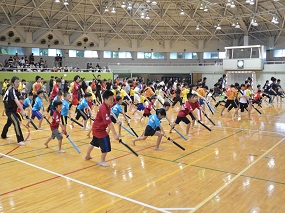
(231,102)
(113,119)
(149,131)
(243,106)
(184,119)
(192,116)
(20,116)
(146,115)
(132,98)
(103,143)
(81,113)
(63,120)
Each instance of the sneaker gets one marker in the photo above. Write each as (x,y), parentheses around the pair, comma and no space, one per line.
(104,164)
(4,137)
(61,151)
(21,143)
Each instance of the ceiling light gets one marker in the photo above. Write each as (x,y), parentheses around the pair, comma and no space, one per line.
(229,3)
(65,2)
(233,5)
(237,25)
(233,24)
(153,3)
(275,19)
(56,1)
(130,6)
(113,10)
(182,13)
(198,27)
(147,17)
(218,27)
(106,9)
(123,5)
(251,2)
(142,15)
(201,6)
(254,22)
(206,8)
(247,1)
(147,1)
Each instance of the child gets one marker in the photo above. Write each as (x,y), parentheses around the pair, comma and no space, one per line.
(153,128)
(20,116)
(184,111)
(58,97)
(37,107)
(54,126)
(28,103)
(115,111)
(140,99)
(222,99)
(148,108)
(65,111)
(100,136)
(80,110)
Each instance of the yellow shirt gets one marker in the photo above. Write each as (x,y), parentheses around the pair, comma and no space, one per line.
(20,88)
(71,87)
(4,86)
(123,93)
(142,99)
(184,94)
(132,92)
(89,89)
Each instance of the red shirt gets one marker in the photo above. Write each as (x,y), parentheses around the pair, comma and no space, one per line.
(101,121)
(257,96)
(54,91)
(75,91)
(195,105)
(185,110)
(148,108)
(55,120)
(18,109)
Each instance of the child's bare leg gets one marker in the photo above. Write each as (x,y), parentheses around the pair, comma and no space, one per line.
(187,128)
(119,130)
(141,138)
(84,124)
(89,150)
(159,137)
(48,140)
(59,146)
(88,134)
(103,161)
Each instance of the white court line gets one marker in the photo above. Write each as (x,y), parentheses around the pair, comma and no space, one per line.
(235,177)
(178,209)
(87,185)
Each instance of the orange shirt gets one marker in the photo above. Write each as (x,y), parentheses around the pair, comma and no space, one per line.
(232,93)
(148,92)
(201,92)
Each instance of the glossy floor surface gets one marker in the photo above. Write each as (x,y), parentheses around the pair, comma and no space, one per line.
(237,167)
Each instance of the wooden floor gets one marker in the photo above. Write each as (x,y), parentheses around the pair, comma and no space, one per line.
(237,167)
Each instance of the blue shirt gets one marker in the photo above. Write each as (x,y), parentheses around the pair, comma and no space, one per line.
(38,104)
(65,108)
(153,121)
(56,98)
(117,109)
(27,102)
(83,104)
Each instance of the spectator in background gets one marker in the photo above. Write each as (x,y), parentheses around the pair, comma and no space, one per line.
(59,60)
(32,58)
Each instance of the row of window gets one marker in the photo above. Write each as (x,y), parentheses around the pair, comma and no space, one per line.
(123,55)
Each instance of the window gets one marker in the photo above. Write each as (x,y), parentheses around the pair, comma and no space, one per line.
(150,55)
(107,54)
(210,55)
(173,56)
(36,51)
(157,55)
(4,50)
(76,53)
(72,53)
(90,54)
(222,55)
(140,55)
(14,50)
(115,55)
(279,53)
(194,55)
(51,52)
(43,52)
(125,55)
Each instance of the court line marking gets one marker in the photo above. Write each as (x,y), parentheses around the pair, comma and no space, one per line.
(235,177)
(178,209)
(157,180)
(10,151)
(87,185)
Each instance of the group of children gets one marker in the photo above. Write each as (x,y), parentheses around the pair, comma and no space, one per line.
(117,101)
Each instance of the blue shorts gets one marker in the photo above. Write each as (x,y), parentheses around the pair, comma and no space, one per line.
(126,98)
(37,114)
(102,143)
(201,102)
(140,107)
